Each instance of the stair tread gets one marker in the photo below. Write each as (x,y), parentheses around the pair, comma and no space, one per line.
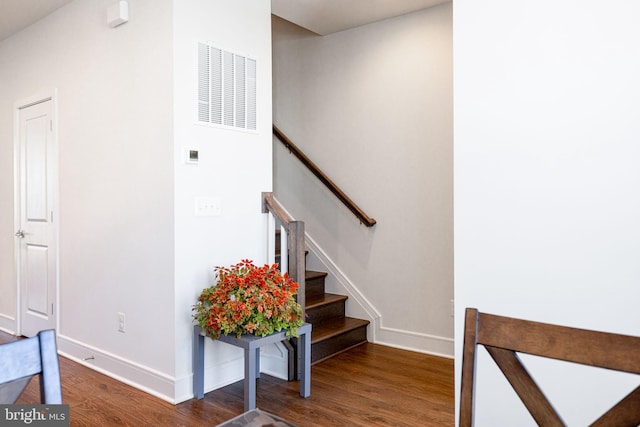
(323,299)
(334,327)
(310,274)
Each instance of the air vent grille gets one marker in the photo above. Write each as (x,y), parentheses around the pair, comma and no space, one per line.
(226,88)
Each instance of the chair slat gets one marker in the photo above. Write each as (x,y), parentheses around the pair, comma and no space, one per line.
(9,392)
(625,413)
(467,388)
(19,359)
(50,388)
(503,337)
(602,349)
(533,398)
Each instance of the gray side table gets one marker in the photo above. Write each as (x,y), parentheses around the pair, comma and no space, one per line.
(251,345)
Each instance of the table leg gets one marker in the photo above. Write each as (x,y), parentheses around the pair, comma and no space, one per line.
(304,363)
(249,379)
(198,363)
(258,362)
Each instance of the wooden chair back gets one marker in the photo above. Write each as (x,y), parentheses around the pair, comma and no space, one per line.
(504,337)
(21,360)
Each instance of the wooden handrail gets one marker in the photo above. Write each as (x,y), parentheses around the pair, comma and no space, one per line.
(359,213)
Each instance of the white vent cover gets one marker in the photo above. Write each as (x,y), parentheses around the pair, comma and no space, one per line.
(226,88)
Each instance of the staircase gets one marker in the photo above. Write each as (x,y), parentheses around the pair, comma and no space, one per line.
(332,331)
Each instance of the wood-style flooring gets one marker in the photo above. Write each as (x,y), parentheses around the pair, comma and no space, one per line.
(370,385)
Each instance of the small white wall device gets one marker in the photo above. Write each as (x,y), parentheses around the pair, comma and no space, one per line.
(118,13)
(191,156)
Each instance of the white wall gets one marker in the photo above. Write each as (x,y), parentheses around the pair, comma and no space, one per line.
(546,182)
(372,106)
(234,166)
(115,175)
(129,239)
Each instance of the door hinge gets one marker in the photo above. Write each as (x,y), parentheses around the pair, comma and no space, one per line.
(51,216)
(52,309)
(51,125)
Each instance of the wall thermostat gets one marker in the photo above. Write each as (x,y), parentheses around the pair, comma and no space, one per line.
(191,156)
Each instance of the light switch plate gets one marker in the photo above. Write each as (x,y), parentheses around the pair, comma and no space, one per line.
(208,206)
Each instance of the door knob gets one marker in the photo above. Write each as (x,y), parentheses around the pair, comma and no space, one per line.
(20,234)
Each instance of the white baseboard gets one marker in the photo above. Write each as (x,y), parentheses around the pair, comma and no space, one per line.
(377,332)
(141,377)
(7,324)
(273,361)
(183,389)
(414,341)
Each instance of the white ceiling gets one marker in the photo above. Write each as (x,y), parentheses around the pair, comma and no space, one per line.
(320,16)
(18,14)
(329,16)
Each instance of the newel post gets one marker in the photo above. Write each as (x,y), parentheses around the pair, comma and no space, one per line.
(296,259)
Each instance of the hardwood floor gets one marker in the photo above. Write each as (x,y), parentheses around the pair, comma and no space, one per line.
(370,385)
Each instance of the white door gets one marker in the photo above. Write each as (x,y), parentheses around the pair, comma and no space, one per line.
(36,162)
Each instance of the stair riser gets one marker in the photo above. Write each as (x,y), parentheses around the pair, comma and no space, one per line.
(331,346)
(326,316)
(314,287)
(325,312)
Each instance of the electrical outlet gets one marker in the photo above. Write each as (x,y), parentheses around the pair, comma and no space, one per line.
(121,323)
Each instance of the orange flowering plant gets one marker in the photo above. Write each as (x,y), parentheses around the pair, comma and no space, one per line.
(249,300)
